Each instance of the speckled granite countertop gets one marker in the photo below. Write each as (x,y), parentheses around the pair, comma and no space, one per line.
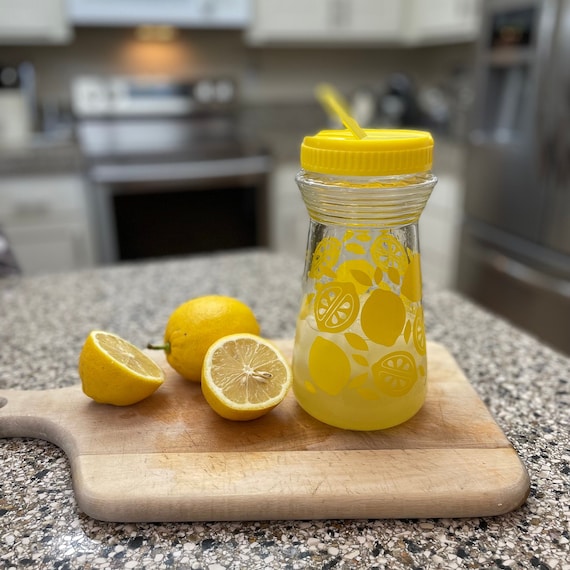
(44,321)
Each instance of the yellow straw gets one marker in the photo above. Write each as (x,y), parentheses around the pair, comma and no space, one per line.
(333,102)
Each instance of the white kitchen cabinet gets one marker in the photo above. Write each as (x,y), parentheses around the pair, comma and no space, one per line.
(325,22)
(370,22)
(441,21)
(34,22)
(181,13)
(45,220)
(440,229)
(289,220)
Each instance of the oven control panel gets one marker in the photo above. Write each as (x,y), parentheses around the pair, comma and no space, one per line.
(125,96)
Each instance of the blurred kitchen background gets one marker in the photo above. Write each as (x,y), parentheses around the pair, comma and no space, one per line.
(136,129)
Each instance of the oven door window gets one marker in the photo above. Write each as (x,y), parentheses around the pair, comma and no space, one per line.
(174,222)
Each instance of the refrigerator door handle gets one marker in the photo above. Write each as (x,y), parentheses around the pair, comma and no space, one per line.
(528,275)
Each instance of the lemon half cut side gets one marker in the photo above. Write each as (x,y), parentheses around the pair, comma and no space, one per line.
(244,377)
(114,371)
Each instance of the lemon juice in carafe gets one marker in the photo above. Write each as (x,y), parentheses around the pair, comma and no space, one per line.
(359,359)
(361,385)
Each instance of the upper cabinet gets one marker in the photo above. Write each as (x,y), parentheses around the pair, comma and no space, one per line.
(358,22)
(34,22)
(181,13)
(325,21)
(442,21)
(266,22)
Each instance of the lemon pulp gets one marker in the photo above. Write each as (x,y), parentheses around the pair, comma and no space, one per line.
(244,376)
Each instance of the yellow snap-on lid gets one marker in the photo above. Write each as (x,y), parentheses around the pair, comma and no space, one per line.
(383,152)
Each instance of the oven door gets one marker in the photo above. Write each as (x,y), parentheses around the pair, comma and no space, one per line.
(154,210)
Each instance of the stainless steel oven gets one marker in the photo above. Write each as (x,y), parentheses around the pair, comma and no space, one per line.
(169,169)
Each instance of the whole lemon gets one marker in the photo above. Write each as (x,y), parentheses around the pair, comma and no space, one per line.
(196,324)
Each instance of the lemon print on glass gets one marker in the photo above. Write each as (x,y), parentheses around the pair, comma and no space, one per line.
(387,252)
(336,306)
(357,271)
(359,235)
(395,374)
(419,332)
(355,341)
(412,283)
(329,366)
(325,257)
(383,317)
(355,248)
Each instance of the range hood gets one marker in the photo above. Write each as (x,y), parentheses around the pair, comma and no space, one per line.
(180,13)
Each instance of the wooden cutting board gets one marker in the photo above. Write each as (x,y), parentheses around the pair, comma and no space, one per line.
(171,458)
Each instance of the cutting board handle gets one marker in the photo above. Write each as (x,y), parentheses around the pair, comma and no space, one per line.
(38,414)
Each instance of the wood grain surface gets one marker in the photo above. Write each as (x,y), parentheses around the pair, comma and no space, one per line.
(171,458)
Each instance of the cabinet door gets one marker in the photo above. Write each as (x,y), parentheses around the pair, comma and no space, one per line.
(440,229)
(443,21)
(34,21)
(373,20)
(182,13)
(276,20)
(289,221)
(38,199)
(46,221)
(49,249)
(326,21)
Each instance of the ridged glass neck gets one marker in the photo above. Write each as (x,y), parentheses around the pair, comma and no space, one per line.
(387,201)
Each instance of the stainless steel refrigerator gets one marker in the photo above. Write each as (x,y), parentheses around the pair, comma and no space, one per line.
(515,246)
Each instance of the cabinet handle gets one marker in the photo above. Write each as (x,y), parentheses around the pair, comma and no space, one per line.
(527,275)
(181,171)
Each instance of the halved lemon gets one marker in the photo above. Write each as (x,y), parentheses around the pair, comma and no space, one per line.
(113,371)
(244,376)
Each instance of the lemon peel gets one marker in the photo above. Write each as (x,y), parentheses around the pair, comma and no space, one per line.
(114,371)
(194,325)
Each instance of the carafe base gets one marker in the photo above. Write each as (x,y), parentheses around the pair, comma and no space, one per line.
(352,424)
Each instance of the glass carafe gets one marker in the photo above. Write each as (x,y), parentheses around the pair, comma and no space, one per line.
(359,358)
